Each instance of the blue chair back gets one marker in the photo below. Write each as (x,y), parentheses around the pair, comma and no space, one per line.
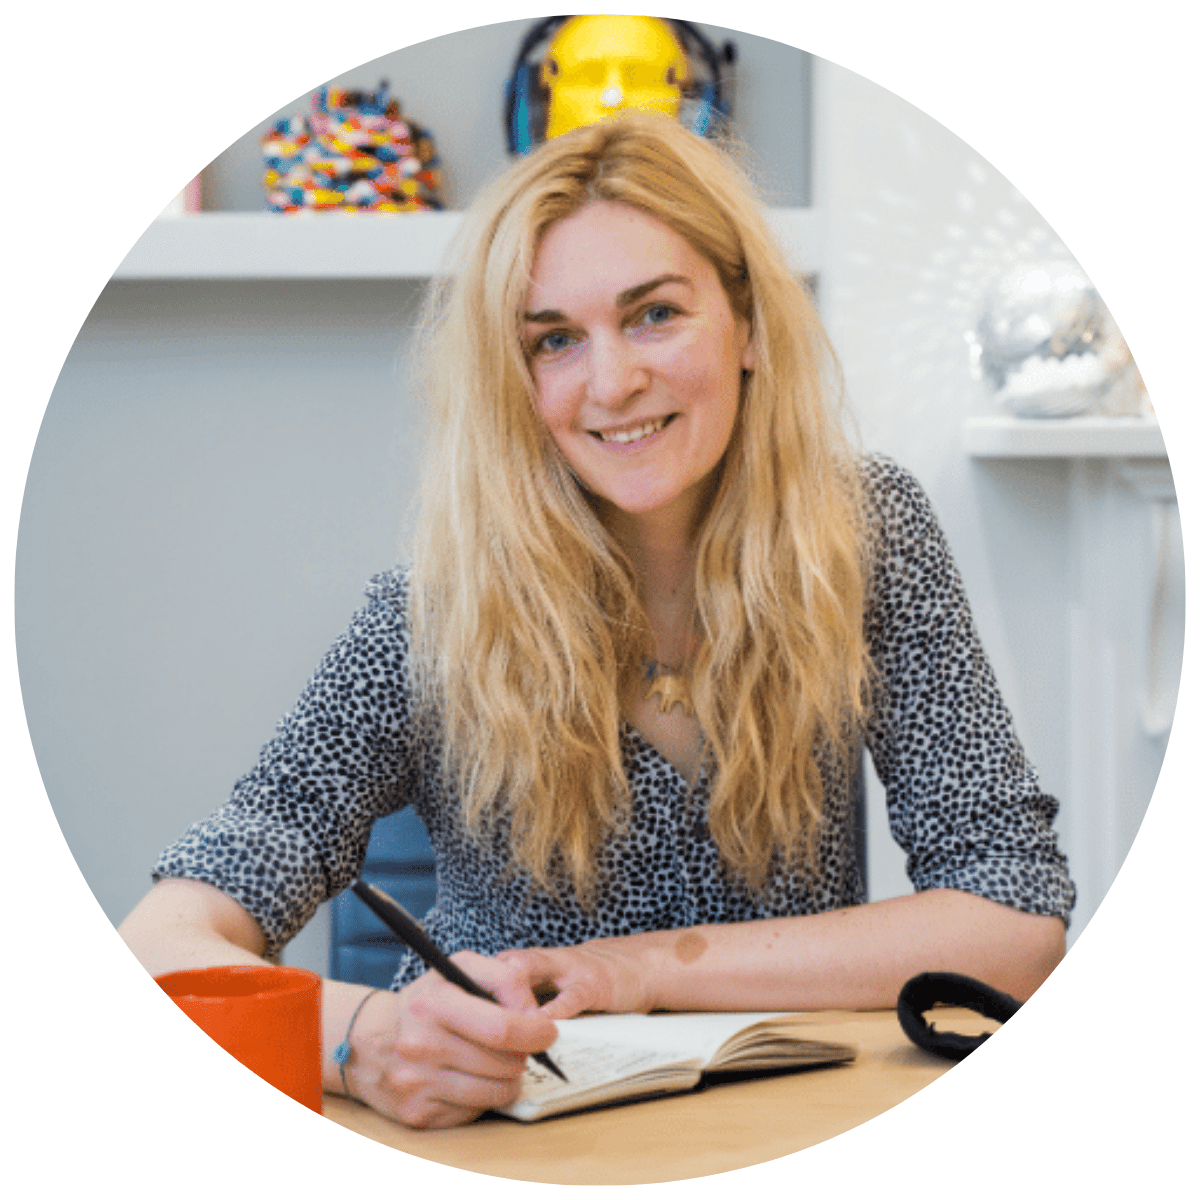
(400,861)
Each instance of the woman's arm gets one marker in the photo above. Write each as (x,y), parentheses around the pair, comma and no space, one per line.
(428,1056)
(850,958)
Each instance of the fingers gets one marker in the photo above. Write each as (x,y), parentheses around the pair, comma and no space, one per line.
(437,1098)
(507,976)
(598,976)
(432,1113)
(580,981)
(573,999)
(444,1027)
(515,1027)
(438,1056)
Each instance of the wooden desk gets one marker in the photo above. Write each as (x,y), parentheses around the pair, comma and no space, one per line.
(694,1133)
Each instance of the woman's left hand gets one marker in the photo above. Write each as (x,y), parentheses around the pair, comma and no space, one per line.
(607,975)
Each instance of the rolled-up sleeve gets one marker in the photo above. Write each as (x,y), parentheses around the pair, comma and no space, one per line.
(963,801)
(294,832)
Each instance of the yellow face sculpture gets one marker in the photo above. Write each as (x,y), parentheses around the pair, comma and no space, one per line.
(596,65)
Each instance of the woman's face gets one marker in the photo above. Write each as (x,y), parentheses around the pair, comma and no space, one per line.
(636,356)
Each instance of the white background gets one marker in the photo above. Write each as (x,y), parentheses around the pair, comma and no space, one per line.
(1080,1091)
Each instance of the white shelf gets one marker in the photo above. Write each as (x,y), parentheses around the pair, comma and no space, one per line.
(350,246)
(1070,437)
(274,246)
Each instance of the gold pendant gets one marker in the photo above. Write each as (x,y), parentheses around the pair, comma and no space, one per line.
(670,690)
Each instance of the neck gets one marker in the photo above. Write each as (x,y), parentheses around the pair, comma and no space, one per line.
(662,548)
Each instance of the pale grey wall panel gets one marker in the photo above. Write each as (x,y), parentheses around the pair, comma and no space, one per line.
(220,469)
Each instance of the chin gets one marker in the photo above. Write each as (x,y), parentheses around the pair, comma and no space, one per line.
(642,505)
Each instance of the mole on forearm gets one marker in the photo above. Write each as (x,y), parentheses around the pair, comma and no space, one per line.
(690,946)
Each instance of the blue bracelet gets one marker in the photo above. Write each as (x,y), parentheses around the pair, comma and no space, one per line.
(341,1052)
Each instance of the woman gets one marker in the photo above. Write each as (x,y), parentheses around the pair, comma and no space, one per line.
(656,606)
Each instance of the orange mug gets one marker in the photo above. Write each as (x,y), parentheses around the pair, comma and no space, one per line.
(268,1018)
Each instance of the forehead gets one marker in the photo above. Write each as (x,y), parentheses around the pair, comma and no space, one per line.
(604,249)
(623,39)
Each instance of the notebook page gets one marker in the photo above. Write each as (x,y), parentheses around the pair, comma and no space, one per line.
(600,1053)
(598,1071)
(697,1036)
(588,1066)
(619,1045)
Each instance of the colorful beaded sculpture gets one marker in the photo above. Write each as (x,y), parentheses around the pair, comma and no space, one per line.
(355,152)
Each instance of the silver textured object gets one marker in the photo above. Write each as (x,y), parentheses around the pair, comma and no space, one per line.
(1048,346)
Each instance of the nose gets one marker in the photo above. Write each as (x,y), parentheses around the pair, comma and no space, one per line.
(613,94)
(615,372)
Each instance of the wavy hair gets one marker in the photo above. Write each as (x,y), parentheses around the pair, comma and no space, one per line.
(527,618)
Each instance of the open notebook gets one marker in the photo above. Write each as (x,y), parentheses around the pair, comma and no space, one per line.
(623,1056)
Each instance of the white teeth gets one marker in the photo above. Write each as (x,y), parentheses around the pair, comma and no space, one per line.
(624,436)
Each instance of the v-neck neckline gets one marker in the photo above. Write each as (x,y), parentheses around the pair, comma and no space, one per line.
(636,735)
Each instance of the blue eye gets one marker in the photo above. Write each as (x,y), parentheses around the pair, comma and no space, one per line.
(552,343)
(658,314)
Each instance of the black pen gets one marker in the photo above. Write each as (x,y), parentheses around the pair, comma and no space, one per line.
(408,929)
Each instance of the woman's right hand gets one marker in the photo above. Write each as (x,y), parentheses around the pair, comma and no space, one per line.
(431,1056)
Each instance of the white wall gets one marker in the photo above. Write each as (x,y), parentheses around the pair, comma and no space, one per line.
(917,226)
(220,469)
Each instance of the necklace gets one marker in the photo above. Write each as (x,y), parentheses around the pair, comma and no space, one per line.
(669,685)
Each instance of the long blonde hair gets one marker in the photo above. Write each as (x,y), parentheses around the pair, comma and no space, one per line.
(526,614)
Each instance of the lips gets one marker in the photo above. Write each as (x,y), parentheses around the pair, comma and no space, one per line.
(633,433)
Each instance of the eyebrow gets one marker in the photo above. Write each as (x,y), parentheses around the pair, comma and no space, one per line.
(548,316)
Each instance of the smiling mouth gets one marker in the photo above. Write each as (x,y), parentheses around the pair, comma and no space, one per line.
(622,437)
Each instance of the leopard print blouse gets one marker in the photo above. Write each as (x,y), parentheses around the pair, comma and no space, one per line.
(963,802)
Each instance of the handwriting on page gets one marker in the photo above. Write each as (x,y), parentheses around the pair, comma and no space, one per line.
(588,1065)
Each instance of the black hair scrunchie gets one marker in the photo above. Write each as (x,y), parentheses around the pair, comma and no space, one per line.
(922,992)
